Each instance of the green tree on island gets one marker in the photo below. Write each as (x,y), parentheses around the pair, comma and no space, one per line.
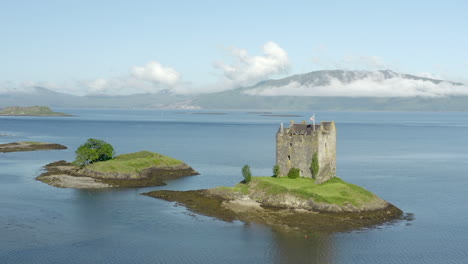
(246,173)
(314,165)
(276,170)
(94,150)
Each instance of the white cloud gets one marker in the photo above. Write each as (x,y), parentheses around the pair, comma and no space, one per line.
(372,86)
(150,78)
(429,75)
(154,77)
(8,87)
(124,85)
(97,86)
(155,72)
(248,70)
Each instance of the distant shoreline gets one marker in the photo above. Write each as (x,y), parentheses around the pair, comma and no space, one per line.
(282,115)
(30,111)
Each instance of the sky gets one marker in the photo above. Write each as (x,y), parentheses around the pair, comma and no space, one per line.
(125,47)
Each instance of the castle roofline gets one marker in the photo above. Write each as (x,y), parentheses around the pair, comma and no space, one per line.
(303,129)
(306,129)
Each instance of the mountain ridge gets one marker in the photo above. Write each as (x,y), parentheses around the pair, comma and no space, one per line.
(251,97)
(347,76)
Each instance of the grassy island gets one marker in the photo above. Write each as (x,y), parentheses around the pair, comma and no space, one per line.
(30,111)
(291,204)
(334,191)
(139,169)
(134,163)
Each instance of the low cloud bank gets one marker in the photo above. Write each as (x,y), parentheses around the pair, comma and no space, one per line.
(9,87)
(154,72)
(149,78)
(366,87)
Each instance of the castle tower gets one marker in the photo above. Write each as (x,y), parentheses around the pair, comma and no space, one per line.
(296,145)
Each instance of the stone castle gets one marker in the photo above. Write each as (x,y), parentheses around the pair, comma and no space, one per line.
(296,145)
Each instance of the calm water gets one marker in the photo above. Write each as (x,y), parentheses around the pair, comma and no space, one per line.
(417,161)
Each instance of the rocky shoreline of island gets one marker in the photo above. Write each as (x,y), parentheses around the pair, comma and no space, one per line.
(64,174)
(211,202)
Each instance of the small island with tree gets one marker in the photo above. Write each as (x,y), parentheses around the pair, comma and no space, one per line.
(30,111)
(96,166)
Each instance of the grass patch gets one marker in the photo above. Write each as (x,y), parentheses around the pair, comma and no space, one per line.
(134,162)
(242,188)
(334,191)
(239,188)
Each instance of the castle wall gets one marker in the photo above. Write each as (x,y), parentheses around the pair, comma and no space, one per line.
(296,151)
(327,152)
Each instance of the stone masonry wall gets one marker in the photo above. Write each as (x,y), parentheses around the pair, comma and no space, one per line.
(327,152)
(296,151)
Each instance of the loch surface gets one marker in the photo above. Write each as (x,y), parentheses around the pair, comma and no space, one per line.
(417,161)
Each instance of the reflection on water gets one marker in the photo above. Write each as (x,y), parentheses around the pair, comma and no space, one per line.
(299,248)
(91,210)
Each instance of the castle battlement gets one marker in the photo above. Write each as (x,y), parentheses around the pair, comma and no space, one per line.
(296,145)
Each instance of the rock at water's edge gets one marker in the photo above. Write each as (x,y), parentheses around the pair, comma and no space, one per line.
(29,146)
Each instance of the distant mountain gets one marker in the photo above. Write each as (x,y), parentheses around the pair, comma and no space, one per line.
(44,96)
(37,96)
(260,96)
(307,91)
(320,78)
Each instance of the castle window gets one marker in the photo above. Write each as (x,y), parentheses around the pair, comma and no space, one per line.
(290,144)
(289,157)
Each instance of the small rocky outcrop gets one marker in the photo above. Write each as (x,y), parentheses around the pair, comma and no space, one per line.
(29,146)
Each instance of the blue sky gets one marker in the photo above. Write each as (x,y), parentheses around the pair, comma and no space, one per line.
(70,45)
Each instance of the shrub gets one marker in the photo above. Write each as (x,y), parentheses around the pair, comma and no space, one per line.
(314,165)
(276,170)
(94,150)
(294,173)
(246,173)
